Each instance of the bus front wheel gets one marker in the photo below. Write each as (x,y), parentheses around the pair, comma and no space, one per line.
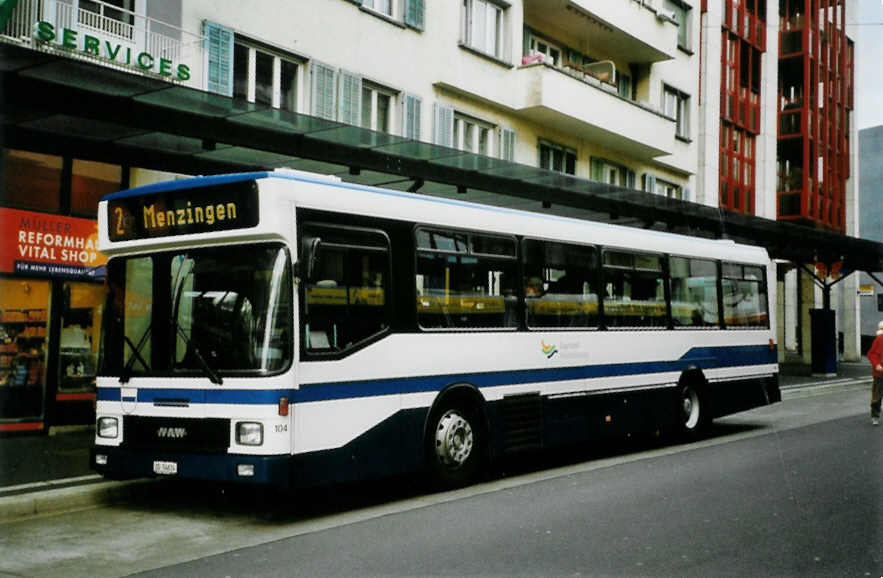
(454,445)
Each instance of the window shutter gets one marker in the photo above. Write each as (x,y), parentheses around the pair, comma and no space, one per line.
(323,91)
(507,145)
(219,55)
(412,118)
(350,99)
(443,127)
(596,169)
(414,10)
(649,183)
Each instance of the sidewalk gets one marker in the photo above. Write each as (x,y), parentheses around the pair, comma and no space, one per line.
(46,473)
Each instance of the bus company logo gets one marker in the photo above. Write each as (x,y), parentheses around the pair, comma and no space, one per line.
(548,350)
(171,432)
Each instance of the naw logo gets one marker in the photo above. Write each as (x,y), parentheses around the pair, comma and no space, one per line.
(548,350)
(171,432)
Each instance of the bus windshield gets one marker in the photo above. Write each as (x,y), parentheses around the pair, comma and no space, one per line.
(206,311)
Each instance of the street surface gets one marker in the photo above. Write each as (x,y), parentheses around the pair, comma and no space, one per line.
(794,489)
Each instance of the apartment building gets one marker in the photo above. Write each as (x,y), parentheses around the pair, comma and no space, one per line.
(677,98)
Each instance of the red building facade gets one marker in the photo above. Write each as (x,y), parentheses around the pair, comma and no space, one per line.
(816,64)
(743,41)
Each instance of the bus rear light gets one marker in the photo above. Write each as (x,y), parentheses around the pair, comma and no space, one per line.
(245,470)
(283,406)
(100,459)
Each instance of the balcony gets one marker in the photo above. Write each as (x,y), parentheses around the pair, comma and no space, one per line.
(581,105)
(108,35)
(613,27)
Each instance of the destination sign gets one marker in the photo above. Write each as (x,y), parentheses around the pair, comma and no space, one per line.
(183,212)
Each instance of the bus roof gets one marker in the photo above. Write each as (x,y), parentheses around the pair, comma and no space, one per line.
(215,180)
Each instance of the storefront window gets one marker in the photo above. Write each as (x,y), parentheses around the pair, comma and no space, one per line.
(81,316)
(24,320)
(91,181)
(30,180)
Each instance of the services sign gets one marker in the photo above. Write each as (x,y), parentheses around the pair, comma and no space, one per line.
(43,245)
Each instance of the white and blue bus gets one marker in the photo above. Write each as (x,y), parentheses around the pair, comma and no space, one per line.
(291,329)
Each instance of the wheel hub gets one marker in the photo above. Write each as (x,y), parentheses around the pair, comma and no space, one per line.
(690,407)
(453,439)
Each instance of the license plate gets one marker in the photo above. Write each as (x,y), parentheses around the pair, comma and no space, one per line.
(165,468)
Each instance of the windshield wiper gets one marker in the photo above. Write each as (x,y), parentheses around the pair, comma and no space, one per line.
(211,373)
(126,373)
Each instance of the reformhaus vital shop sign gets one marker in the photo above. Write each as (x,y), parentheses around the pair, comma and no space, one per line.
(70,39)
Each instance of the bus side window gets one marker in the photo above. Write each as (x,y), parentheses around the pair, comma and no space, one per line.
(635,291)
(345,301)
(560,282)
(465,280)
(693,285)
(744,296)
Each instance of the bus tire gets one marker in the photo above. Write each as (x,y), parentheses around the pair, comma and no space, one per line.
(692,410)
(455,444)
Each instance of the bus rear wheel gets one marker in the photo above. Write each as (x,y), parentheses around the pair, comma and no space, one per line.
(455,444)
(692,411)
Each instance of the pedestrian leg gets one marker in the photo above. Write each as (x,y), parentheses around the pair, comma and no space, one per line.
(875,399)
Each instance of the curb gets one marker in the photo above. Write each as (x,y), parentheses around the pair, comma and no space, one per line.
(821,387)
(57,501)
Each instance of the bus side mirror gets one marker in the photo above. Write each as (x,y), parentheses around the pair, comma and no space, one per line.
(309,257)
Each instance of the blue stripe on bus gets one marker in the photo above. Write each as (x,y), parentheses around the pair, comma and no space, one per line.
(702,357)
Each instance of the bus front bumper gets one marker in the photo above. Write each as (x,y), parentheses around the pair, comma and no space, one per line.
(119,463)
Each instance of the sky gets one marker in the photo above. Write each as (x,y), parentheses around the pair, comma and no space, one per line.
(868,35)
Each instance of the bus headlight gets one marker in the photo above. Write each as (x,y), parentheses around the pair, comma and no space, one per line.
(108,427)
(249,433)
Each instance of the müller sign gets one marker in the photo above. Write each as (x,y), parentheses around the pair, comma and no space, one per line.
(71,39)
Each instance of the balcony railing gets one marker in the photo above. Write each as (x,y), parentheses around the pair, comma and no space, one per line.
(121,34)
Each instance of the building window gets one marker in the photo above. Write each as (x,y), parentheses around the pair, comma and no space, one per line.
(551,53)
(605,171)
(507,144)
(676,106)
(264,77)
(91,181)
(557,158)
(481,26)
(377,105)
(624,85)
(737,160)
(666,189)
(382,6)
(30,180)
(681,13)
(472,135)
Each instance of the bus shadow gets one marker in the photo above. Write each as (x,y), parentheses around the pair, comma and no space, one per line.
(279,507)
